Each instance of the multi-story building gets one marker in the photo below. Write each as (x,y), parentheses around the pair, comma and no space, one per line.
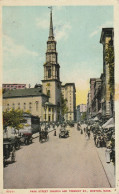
(106,40)
(69,92)
(81,109)
(96,103)
(102,98)
(89,105)
(78,113)
(14,86)
(92,91)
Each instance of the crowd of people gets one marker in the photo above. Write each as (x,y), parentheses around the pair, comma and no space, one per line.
(103,137)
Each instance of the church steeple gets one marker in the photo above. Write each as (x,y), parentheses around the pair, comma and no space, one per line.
(51,66)
(51,25)
(51,82)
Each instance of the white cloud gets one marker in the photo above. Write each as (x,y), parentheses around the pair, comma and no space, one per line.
(42,23)
(98,29)
(14,49)
(61,31)
(61,28)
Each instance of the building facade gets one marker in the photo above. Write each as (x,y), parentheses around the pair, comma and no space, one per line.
(81,110)
(106,40)
(69,92)
(96,103)
(29,100)
(101,97)
(14,86)
(92,91)
(89,105)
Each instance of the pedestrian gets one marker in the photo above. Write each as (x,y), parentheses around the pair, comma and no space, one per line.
(95,138)
(81,131)
(84,129)
(55,132)
(107,154)
(88,134)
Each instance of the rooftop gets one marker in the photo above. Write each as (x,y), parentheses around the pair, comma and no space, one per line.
(27,92)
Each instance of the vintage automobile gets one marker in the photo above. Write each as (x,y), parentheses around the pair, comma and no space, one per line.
(26,137)
(16,141)
(71,123)
(8,151)
(64,133)
(44,136)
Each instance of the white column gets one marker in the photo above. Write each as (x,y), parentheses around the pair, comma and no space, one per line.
(55,114)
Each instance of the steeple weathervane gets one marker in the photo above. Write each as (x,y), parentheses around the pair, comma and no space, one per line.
(51,23)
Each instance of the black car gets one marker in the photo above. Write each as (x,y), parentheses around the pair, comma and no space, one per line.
(64,134)
(8,151)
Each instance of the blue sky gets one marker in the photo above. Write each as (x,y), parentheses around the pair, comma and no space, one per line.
(77,31)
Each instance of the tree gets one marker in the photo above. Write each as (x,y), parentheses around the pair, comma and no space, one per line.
(12,118)
(64,108)
(83,116)
(109,57)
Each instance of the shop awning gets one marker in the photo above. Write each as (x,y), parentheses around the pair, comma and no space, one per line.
(95,119)
(109,123)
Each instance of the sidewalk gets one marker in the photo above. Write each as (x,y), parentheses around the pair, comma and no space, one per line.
(108,167)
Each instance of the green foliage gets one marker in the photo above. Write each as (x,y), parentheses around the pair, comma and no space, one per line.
(12,118)
(109,57)
(64,108)
(83,117)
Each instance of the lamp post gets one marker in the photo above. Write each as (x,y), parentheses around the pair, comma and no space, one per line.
(45,107)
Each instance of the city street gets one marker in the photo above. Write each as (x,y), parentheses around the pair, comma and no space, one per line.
(59,163)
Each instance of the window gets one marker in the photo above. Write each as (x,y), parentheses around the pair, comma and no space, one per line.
(49,109)
(49,73)
(30,106)
(18,105)
(24,106)
(36,105)
(57,73)
(58,103)
(13,106)
(8,106)
(48,93)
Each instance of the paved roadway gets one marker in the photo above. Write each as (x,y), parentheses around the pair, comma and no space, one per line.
(59,163)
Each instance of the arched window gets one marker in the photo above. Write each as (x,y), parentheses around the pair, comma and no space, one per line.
(30,106)
(48,93)
(36,105)
(24,106)
(13,106)
(49,73)
(19,105)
